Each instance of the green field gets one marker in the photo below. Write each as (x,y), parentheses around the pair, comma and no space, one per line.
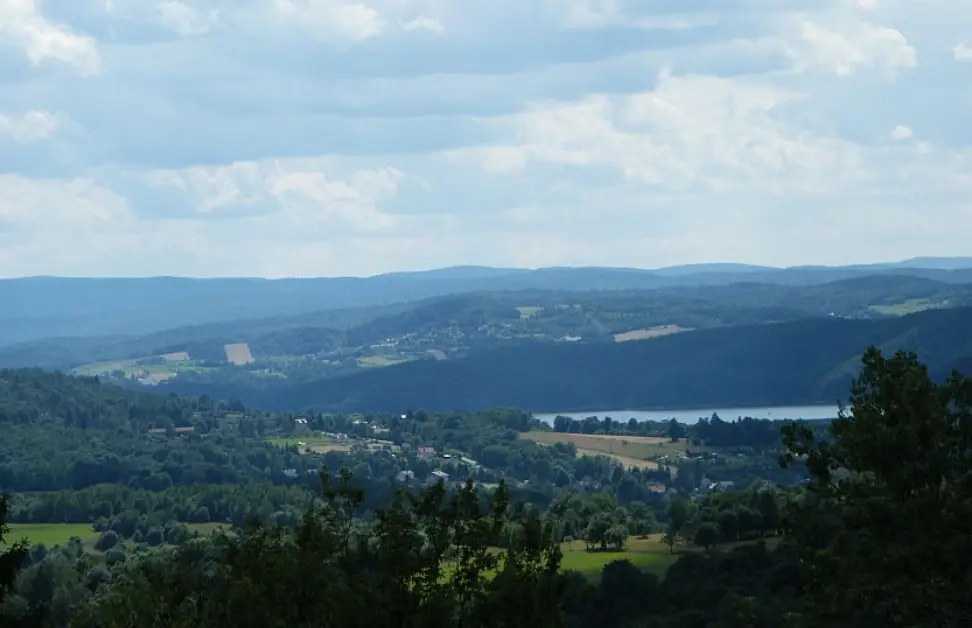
(528,311)
(375,361)
(648,554)
(51,534)
(317,444)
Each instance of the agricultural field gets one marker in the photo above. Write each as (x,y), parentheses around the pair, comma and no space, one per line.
(647,334)
(647,554)
(314,444)
(631,451)
(910,306)
(152,370)
(51,534)
(378,361)
(528,311)
(239,354)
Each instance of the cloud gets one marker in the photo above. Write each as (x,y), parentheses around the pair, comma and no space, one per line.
(32,126)
(901,132)
(24,27)
(310,137)
(845,50)
(962,52)
(184,19)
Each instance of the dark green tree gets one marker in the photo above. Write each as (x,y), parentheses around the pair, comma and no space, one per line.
(12,559)
(883,529)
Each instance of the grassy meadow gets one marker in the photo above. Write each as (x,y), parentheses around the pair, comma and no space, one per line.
(316,444)
(51,534)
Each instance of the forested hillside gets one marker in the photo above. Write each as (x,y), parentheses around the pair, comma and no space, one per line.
(800,362)
(585,543)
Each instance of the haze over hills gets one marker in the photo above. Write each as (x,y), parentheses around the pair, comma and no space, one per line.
(456,323)
(51,307)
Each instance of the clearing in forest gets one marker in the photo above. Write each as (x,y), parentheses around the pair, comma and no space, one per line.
(649,333)
(528,311)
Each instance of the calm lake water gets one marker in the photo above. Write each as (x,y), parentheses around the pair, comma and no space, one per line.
(693,416)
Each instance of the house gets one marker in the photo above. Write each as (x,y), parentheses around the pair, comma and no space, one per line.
(437,476)
(290,473)
(469,462)
(426,452)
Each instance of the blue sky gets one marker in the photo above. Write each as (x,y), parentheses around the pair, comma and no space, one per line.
(333,137)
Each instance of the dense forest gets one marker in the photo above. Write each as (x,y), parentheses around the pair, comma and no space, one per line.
(807,361)
(875,534)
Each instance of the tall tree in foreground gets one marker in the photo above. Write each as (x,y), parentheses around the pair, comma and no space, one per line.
(884,531)
(11,559)
(425,561)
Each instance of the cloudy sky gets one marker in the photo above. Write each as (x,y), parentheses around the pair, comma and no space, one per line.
(332,137)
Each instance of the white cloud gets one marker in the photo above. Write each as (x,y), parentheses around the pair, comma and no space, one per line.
(847,49)
(308,137)
(184,19)
(298,192)
(424,23)
(327,19)
(962,52)
(23,26)
(57,205)
(29,127)
(691,132)
(901,133)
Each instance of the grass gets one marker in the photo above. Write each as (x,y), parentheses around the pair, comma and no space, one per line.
(651,332)
(316,444)
(648,554)
(51,534)
(528,311)
(100,368)
(378,361)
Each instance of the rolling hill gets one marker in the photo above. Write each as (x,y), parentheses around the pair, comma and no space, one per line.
(798,362)
(49,307)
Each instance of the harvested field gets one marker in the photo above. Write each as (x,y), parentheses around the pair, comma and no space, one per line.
(911,306)
(647,334)
(180,356)
(239,354)
(628,450)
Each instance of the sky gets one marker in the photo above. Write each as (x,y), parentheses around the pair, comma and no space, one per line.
(353,137)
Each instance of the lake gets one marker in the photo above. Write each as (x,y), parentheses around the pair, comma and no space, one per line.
(693,416)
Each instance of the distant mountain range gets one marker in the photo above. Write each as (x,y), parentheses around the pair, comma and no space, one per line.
(50,307)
